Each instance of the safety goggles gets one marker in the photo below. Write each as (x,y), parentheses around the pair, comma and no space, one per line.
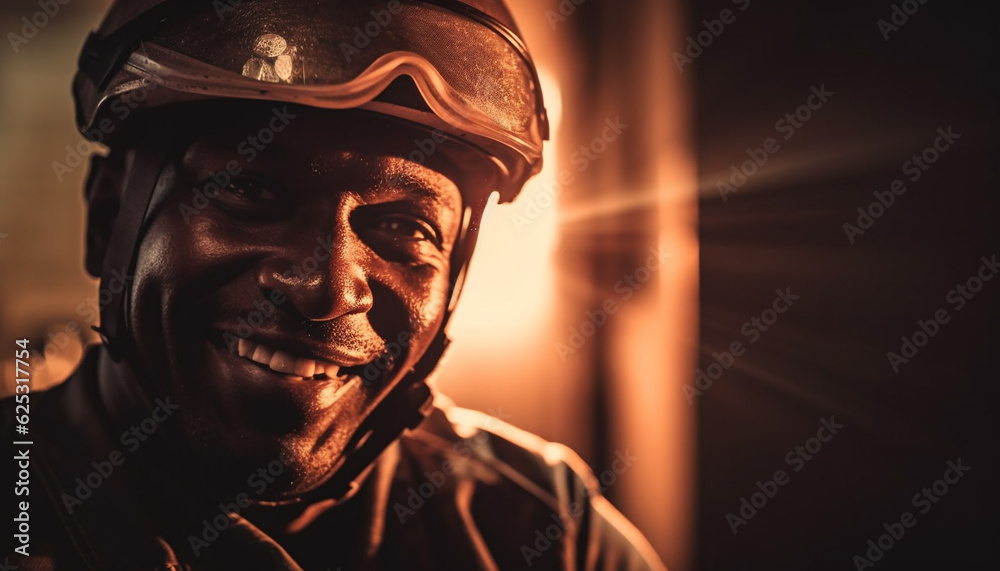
(471,75)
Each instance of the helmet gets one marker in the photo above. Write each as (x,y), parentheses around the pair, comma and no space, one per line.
(446,64)
(455,67)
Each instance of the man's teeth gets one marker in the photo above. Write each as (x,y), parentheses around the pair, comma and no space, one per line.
(282,362)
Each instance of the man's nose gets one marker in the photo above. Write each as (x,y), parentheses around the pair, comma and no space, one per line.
(323,276)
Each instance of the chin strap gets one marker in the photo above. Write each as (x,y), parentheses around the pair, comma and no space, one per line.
(143,167)
(404,408)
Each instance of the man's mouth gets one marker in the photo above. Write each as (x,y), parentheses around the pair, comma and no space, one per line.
(295,367)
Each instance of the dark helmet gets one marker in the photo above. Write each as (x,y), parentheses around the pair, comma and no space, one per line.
(467,70)
(457,68)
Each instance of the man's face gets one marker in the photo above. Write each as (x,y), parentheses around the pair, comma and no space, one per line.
(261,310)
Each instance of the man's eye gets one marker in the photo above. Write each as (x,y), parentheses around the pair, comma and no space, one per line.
(250,191)
(251,199)
(406,227)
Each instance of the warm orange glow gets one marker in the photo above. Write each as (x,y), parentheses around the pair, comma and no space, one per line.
(503,358)
(511,281)
(519,303)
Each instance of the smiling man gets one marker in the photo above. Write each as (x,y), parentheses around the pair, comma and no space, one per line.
(293,191)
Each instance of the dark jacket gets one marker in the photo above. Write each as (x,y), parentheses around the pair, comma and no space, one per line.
(463,491)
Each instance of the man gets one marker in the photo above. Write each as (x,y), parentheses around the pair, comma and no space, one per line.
(293,193)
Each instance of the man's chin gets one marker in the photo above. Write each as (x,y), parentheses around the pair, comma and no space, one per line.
(268,468)
(257,432)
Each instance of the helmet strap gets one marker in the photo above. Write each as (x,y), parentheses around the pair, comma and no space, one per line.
(144,165)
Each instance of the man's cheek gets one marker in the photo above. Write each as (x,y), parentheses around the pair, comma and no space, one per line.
(426,322)
(430,307)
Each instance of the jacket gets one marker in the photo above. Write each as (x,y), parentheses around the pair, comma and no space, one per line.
(462,491)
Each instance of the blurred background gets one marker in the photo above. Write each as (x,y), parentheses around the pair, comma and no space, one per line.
(603,306)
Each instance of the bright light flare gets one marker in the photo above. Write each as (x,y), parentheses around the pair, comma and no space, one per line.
(511,280)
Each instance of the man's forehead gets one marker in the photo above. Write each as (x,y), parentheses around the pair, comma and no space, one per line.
(384,170)
(319,142)
(369,175)
(322,162)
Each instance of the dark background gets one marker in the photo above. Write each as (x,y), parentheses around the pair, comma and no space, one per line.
(827,355)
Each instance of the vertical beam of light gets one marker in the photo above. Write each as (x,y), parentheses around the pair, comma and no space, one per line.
(510,285)
(517,306)
(653,346)
(503,359)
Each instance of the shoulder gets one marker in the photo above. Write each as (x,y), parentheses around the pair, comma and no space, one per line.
(451,432)
(538,498)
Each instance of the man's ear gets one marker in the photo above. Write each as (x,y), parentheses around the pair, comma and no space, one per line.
(103,193)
